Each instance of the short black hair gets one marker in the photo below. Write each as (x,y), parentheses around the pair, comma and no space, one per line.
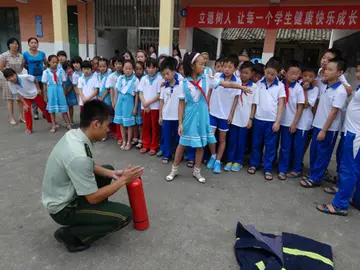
(275,63)
(292,63)
(168,63)
(152,62)
(96,58)
(94,110)
(51,56)
(233,60)
(219,60)
(103,59)
(340,62)
(162,57)
(12,40)
(118,58)
(61,53)
(129,61)
(67,65)
(33,38)
(309,69)
(336,52)
(357,64)
(8,72)
(247,64)
(86,64)
(76,60)
(259,68)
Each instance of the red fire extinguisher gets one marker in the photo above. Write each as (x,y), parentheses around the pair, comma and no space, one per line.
(138,204)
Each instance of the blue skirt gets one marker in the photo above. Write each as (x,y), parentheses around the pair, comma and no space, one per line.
(71,99)
(124,110)
(56,99)
(138,117)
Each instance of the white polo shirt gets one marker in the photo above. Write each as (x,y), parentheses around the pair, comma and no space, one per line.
(150,87)
(267,99)
(296,96)
(124,83)
(170,95)
(307,117)
(352,118)
(88,85)
(112,80)
(210,82)
(25,86)
(222,98)
(333,96)
(243,107)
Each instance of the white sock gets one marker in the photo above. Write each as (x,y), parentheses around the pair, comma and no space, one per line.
(213,156)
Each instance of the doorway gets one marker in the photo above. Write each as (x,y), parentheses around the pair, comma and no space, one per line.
(73,30)
(9,27)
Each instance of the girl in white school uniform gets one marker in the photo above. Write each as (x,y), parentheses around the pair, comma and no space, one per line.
(88,84)
(207,71)
(194,122)
(54,92)
(126,88)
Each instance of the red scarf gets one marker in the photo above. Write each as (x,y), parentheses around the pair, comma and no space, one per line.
(196,84)
(55,77)
(287,92)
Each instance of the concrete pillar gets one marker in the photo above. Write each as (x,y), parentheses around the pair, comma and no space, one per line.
(60,22)
(166,27)
(269,45)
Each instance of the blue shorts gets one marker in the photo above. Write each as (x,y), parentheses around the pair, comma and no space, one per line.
(220,124)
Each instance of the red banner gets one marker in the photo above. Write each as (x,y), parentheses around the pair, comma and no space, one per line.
(324,17)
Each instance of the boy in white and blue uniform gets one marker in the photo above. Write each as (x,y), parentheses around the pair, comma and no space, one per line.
(327,123)
(242,114)
(269,100)
(221,102)
(304,125)
(169,103)
(294,105)
(88,84)
(349,170)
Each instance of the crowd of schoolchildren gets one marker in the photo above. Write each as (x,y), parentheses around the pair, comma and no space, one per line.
(176,108)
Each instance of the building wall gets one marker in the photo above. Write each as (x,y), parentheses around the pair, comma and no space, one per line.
(27,13)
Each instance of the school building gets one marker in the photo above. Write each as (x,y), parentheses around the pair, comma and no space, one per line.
(298,29)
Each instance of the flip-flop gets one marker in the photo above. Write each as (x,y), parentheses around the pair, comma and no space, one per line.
(152,153)
(325,209)
(330,190)
(293,175)
(12,122)
(268,176)
(128,147)
(28,132)
(308,183)
(251,170)
(282,176)
(143,150)
(165,161)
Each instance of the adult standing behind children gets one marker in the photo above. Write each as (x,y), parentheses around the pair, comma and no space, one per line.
(35,60)
(15,60)
(75,189)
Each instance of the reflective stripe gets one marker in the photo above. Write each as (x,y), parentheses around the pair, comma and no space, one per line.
(309,254)
(260,265)
(237,238)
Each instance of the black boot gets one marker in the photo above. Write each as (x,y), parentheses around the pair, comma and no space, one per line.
(73,244)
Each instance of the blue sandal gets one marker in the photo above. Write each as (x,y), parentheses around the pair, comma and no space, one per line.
(337,211)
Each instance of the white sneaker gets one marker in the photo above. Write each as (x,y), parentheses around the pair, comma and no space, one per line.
(174,172)
(198,176)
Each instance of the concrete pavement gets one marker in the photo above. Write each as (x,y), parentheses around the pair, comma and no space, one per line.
(192,226)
